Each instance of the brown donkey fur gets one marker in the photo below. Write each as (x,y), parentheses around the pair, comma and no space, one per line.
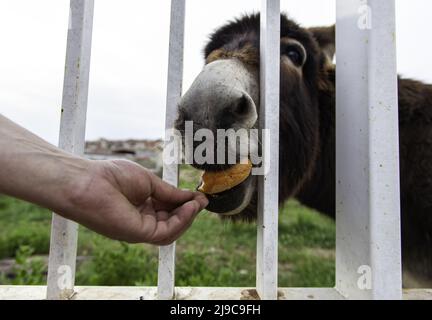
(307,121)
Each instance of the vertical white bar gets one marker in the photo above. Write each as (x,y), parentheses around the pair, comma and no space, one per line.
(368,259)
(166,272)
(268,204)
(64,233)
(384,154)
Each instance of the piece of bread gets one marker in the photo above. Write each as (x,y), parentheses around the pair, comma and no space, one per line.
(218,182)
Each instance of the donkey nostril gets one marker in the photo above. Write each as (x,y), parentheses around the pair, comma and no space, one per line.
(242,106)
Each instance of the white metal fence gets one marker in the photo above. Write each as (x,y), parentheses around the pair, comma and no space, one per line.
(368,248)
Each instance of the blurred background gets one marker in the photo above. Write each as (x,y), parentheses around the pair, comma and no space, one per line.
(130,54)
(126,119)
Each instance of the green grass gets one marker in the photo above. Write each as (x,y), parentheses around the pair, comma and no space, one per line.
(211,253)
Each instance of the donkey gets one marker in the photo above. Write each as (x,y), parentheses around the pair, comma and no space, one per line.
(226,95)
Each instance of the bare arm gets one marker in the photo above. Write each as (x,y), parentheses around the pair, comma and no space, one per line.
(119,199)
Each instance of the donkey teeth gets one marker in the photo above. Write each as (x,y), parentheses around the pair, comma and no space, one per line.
(221,181)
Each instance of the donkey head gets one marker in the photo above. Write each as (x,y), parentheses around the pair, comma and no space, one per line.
(226,96)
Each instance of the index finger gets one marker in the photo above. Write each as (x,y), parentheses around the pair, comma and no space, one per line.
(181,219)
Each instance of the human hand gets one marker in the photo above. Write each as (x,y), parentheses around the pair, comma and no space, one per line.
(126,202)
(118,199)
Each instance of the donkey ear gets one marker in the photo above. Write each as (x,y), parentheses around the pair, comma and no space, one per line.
(326,37)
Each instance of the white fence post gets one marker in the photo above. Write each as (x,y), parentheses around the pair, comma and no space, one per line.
(368,256)
(268,204)
(64,233)
(166,272)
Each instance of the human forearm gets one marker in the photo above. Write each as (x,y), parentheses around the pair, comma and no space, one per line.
(119,199)
(32,169)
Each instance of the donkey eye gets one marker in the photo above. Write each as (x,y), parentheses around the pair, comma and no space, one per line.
(295,54)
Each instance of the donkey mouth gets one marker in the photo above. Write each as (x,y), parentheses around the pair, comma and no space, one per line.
(233,201)
(229,192)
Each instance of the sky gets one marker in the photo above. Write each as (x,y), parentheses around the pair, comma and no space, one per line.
(130,54)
